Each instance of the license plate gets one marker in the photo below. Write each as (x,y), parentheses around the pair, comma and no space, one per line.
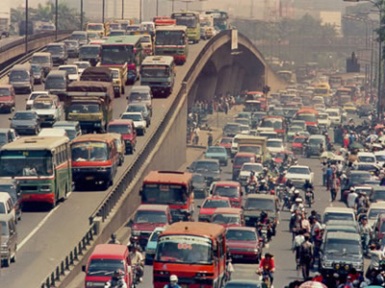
(26,196)
(184,286)
(236,256)
(89,177)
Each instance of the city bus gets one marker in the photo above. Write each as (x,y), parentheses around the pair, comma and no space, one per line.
(191,21)
(193,251)
(220,19)
(172,188)
(125,53)
(158,72)
(172,41)
(41,165)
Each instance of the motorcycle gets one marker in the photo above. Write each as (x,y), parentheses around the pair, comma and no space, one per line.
(286,201)
(251,188)
(309,197)
(137,272)
(264,276)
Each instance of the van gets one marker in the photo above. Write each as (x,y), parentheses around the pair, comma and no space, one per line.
(228,217)
(72,128)
(104,261)
(142,94)
(339,213)
(80,36)
(57,82)
(21,78)
(58,52)
(43,59)
(7,206)
(8,239)
(55,132)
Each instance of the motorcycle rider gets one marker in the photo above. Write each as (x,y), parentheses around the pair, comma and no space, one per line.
(137,261)
(253,181)
(281,179)
(117,280)
(376,255)
(113,239)
(295,196)
(267,266)
(263,187)
(366,232)
(173,282)
(264,221)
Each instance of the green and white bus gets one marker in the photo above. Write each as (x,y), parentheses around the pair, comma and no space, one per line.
(41,165)
(191,21)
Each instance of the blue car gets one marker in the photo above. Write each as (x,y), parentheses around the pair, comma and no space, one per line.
(219,153)
(151,245)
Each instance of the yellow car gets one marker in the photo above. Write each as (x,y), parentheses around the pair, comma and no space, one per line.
(118,82)
(350,107)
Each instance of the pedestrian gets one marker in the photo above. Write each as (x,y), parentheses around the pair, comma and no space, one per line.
(306,255)
(297,242)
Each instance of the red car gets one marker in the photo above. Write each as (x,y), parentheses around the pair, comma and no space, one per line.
(125,127)
(297,145)
(206,210)
(147,218)
(229,189)
(226,143)
(243,244)
(7,98)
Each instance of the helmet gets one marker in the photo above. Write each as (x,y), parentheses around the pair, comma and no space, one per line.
(252,173)
(263,214)
(173,278)
(118,272)
(298,200)
(296,191)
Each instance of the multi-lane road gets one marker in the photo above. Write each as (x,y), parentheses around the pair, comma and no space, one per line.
(46,237)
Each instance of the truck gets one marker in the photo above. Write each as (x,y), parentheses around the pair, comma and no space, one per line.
(90,103)
(5,18)
(254,141)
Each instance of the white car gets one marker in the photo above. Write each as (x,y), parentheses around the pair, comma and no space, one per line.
(275,145)
(298,174)
(52,132)
(72,71)
(32,97)
(334,116)
(380,157)
(139,121)
(246,169)
(323,120)
(366,157)
(82,65)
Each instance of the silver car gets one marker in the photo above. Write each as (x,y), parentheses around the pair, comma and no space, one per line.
(8,239)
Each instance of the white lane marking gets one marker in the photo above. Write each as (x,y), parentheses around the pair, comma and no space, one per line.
(34,231)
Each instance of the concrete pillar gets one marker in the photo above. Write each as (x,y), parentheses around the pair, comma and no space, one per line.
(224,78)
(239,82)
(192,94)
(206,88)
(233,81)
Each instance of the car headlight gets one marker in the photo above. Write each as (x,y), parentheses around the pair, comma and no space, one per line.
(102,169)
(326,264)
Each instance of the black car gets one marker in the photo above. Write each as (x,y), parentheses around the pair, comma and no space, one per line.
(199,185)
(208,167)
(37,73)
(12,187)
(26,122)
(364,110)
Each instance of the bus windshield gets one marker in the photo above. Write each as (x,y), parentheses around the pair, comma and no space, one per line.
(155,71)
(104,267)
(116,54)
(184,249)
(170,38)
(15,163)
(189,21)
(164,194)
(95,27)
(89,151)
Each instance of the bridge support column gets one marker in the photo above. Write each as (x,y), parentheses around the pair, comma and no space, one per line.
(192,94)
(239,80)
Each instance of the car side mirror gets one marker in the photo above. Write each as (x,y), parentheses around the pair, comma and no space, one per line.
(130,223)
(84,268)
(199,206)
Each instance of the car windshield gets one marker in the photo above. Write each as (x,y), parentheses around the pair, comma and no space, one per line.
(299,140)
(83,65)
(338,216)
(380,158)
(359,178)
(240,235)
(5,92)
(83,108)
(323,116)
(259,204)
(315,141)
(23,116)
(137,96)
(136,108)
(11,190)
(251,167)
(231,128)
(21,75)
(121,129)
(373,213)
(143,216)
(104,267)
(216,150)
(39,59)
(215,203)
(366,159)
(342,247)
(226,191)
(226,219)
(55,49)
(239,160)
(70,70)
(307,117)
(295,129)
(133,117)
(205,165)
(229,140)
(332,113)
(2,208)
(41,105)
(272,124)
(274,144)
(197,178)
(55,83)
(298,170)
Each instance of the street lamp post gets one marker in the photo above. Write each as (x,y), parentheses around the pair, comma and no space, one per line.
(26,26)
(103,9)
(81,14)
(157,8)
(56,20)
(122,9)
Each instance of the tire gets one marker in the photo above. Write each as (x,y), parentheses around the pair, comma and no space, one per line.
(65,197)
(13,259)
(6,262)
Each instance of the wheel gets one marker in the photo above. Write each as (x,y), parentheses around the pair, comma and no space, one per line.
(6,262)
(65,197)
(13,259)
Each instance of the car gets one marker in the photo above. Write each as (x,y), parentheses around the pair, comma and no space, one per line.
(275,145)
(72,48)
(243,121)
(12,187)
(199,186)
(209,205)
(82,65)
(72,71)
(246,169)
(366,157)
(340,252)
(364,110)
(7,135)
(58,51)
(350,108)
(243,245)
(225,142)
(152,244)
(298,174)
(354,178)
(334,115)
(323,120)
(338,213)
(297,145)
(33,96)
(374,210)
(313,145)
(372,168)
(138,119)
(8,239)
(243,284)
(141,94)
(231,129)
(37,73)
(7,98)
(71,127)
(127,129)
(26,122)
(292,132)
(377,193)
(210,168)
(380,157)
(239,159)
(147,218)
(140,107)
(254,204)
(217,152)
(229,189)
(48,109)
(228,217)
